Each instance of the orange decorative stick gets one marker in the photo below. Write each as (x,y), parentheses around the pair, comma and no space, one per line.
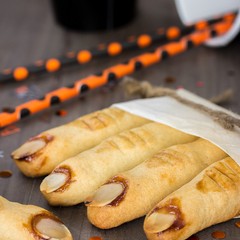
(111,49)
(113,73)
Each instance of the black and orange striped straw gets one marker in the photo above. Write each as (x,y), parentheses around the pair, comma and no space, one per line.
(160,36)
(115,72)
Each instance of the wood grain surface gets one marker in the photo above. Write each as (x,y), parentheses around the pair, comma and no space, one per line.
(28,33)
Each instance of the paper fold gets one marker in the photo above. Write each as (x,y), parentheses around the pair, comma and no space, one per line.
(169,111)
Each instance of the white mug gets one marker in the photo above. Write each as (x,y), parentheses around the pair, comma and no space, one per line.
(191,11)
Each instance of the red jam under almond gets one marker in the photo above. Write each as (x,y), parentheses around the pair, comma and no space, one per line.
(67,171)
(172,207)
(28,158)
(123,182)
(34,221)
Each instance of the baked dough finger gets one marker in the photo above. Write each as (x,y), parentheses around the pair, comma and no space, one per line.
(145,185)
(28,222)
(41,154)
(78,177)
(210,198)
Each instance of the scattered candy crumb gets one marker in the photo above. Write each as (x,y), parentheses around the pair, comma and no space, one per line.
(9,131)
(219,235)
(95,238)
(237,224)
(170,79)
(5,174)
(61,113)
(1,154)
(28,93)
(21,91)
(200,84)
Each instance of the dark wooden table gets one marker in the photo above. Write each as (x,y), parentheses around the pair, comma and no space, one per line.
(28,33)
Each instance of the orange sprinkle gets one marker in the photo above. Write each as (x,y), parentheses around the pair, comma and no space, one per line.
(20,73)
(144,41)
(52,65)
(218,235)
(61,113)
(170,79)
(95,238)
(84,56)
(173,32)
(114,48)
(237,224)
(201,25)
(9,130)
(5,174)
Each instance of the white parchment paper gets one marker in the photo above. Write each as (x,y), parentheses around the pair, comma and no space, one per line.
(169,111)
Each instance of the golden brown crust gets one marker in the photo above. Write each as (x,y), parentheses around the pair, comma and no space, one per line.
(210,198)
(75,137)
(117,153)
(19,221)
(154,179)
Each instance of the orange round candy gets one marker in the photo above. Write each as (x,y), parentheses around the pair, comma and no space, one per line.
(20,73)
(201,25)
(173,32)
(114,48)
(84,56)
(52,65)
(144,41)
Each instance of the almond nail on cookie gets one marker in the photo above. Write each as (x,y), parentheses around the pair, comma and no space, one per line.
(211,197)
(28,222)
(77,178)
(132,194)
(41,154)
